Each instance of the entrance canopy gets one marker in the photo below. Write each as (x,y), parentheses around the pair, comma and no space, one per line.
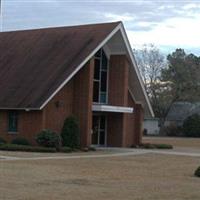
(108,108)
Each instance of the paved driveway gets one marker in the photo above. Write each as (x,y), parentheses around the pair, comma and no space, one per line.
(100,153)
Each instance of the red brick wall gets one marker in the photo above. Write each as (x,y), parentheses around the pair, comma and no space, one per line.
(29,124)
(115,129)
(124,129)
(74,98)
(118,80)
(139,117)
(83,96)
(130,132)
(60,107)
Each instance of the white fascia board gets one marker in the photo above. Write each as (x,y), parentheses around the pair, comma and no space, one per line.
(128,46)
(107,108)
(81,65)
(129,49)
(106,50)
(138,102)
(26,109)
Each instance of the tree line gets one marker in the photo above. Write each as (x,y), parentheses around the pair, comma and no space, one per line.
(168,79)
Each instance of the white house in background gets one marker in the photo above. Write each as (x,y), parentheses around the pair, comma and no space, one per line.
(151,126)
(180,111)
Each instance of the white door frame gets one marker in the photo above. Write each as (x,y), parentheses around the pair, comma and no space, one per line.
(99,130)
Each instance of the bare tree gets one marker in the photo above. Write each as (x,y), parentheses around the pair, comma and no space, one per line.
(168,81)
(150,62)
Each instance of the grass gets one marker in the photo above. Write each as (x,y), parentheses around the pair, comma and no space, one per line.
(175,141)
(144,177)
(138,177)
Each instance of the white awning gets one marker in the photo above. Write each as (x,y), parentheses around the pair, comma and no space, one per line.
(108,108)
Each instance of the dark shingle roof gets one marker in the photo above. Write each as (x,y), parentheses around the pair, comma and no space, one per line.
(181,110)
(34,63)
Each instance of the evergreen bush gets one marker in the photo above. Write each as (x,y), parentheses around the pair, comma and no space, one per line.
(191,126)
(20,141)
(48,138)
(70,133)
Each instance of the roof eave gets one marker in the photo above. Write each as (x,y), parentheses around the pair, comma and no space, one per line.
(26,109)
(129,50)
(82,64)
(128,46)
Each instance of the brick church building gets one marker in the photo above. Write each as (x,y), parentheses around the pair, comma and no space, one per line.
(88,71)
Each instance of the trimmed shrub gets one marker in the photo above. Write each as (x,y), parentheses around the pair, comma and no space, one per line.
(191,126)
(48,138)
(134,146)
(65,149)
(70,133)
(92,149)
(85,149)
(197,172)
(2,141)
(173,130)
(147,146)
(155,146)
(163,146)
(25,148)
(20,141)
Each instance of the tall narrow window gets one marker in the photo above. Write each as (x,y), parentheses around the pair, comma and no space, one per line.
(12,121)
(100,77)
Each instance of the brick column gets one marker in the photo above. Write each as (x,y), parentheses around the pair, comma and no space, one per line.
(115,129)
(118,95)
(139,117)
(82,107)
(118,80)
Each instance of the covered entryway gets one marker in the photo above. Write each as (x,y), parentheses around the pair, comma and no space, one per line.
(109,125)
(99,130)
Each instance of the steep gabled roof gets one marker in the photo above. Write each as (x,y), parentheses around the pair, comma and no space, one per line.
(34,63)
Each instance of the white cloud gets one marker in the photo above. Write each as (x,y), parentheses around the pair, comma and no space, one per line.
(180,32)
(164,7)
(114,17)
(191,6)
(166,23)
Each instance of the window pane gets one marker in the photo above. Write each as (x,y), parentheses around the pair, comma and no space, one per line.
(102,138)
(103,121)
(104,61)
(98,54)
(96,92)
(103,81)
(95,128)
(97,69)
(103,97)
(12,121)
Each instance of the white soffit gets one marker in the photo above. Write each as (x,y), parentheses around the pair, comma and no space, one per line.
(107,108)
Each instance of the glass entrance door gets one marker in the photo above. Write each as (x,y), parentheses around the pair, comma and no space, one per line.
(99,130)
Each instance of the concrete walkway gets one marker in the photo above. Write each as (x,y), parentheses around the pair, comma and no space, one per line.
(106,152)
(116,154)
(177,153)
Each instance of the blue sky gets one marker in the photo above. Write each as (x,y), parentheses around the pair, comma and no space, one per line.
(167,24)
